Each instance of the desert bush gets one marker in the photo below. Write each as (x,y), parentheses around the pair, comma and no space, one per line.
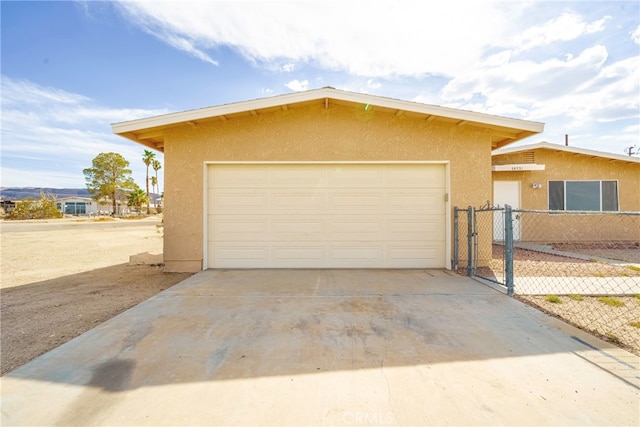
(41,208)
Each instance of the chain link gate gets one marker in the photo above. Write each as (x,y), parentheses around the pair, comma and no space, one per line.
(482,223)
(583,267)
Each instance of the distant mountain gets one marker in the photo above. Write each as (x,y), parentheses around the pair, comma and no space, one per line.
(18,193)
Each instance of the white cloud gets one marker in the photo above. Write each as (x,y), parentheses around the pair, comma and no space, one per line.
(373,85)
(567,64)
(579,94)
(568,26)
(373,38)
(297,86)
(26,92)
(183,44)
(157,28)
(60,132)
(635,35)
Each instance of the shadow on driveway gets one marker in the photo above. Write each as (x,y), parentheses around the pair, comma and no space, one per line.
(326,346)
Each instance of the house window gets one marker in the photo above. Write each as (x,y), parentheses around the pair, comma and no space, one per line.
(583,195)
(75,208)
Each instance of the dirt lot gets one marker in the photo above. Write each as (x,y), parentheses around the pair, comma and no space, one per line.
(62,278)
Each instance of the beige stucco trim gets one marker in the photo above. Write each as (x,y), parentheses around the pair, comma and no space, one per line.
(446,163)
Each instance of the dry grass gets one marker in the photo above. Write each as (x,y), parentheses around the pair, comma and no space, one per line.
(619,324)
(615,319)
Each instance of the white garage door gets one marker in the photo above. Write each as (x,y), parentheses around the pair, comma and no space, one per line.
(326,216)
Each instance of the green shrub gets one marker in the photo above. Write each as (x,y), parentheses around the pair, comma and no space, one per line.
(612,302)
(554,299)
(575,297)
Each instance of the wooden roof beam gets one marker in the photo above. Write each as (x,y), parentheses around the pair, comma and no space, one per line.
(149,134)
(505,135)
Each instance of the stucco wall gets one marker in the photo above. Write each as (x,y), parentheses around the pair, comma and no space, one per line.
(311,133)
(569,166)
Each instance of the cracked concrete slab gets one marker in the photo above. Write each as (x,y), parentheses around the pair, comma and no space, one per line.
(328,347)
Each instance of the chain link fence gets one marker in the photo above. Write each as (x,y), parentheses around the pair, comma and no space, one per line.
(583,267)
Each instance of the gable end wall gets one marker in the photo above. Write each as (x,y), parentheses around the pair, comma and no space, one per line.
(311,133)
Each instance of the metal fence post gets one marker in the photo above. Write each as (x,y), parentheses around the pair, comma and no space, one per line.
(455,238)
(508,249)
(469,241)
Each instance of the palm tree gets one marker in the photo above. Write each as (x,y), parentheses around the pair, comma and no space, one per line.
(137,198)
(154,182)
(148,158)
(156,165)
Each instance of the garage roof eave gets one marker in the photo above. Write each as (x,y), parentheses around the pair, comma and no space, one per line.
(515,128)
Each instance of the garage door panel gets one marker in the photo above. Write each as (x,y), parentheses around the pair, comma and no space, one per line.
(299,257)
(357,252)
(346,225)
(237,256)
(298,226)
(416,257)
(355,176)
(415,176)
(416,201)
(326,216)
(347,202)
(231,228)
(237,176)
(225,201)
(285,201)
(297,176)
(414,229)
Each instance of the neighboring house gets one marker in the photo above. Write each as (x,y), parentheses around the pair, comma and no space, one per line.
(80,206)
(7,206)
(77,206)
(320,179)
(547,176)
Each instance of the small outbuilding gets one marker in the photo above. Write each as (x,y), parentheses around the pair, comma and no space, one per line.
(320,179)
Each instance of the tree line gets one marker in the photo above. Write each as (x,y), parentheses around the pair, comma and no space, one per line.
(110,174)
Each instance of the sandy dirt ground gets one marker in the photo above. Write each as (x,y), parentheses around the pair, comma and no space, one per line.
(619,325)
(61,278)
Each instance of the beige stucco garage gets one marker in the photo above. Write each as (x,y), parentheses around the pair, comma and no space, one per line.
(323,178)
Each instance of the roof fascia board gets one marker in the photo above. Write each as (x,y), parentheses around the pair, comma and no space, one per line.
(318,94)
(566,149)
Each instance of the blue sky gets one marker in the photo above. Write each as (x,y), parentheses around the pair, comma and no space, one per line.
(70,69)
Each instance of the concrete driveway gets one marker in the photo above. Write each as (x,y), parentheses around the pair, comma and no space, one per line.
(328,347)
